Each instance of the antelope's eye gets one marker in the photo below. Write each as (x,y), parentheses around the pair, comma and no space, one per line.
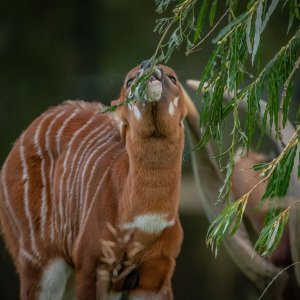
(173,79)
(129,82)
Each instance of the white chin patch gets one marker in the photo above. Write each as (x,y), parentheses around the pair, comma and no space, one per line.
(154,90)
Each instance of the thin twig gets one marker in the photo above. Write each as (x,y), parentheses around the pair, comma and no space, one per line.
(177,13)
(272,165)
(193,49)
(276,276)
(279,128)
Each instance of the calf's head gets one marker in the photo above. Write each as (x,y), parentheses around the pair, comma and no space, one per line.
(160,118)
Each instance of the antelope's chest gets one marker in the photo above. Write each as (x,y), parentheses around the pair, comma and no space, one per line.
(131,241)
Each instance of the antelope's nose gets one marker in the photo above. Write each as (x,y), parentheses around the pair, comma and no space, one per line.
(157,73)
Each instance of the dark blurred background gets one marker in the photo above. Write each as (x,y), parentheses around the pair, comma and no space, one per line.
(54,50)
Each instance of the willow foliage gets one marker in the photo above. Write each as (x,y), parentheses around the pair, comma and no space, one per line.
(237,47)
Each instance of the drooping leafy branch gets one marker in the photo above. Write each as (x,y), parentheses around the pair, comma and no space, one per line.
(237,54)
(277,173)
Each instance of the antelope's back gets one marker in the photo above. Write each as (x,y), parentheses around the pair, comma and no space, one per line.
(55,172)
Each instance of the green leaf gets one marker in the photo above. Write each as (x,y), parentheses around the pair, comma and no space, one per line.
(212,12)
(229,27)
(269,13)
(248,32)
(260,166)
(272,232)
(227,221)
(200,20)
(258,24)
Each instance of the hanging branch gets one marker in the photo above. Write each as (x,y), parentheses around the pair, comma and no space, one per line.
(236,46)
(230,218)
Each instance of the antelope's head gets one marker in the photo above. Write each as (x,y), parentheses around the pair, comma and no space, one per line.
(160,118)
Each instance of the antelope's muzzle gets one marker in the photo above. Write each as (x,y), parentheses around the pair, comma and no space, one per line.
(154,87)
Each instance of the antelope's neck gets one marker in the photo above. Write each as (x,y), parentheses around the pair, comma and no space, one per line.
(153,181)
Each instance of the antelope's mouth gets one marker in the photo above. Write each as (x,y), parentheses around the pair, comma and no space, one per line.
(154,87)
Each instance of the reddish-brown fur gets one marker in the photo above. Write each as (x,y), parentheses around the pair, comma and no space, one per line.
(134,169)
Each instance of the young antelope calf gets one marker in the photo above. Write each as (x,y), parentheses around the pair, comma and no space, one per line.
(96,196)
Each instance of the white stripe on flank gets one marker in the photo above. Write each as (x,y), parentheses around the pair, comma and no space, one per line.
(83,224)
(44,209)
(14,221)
(26,180)
(24,254)
(48,134)
(70,187)
(89,156)
(62,128)
(58,137)
(91,177)
(69,147)
(86,149)
(10,212)
(149,223)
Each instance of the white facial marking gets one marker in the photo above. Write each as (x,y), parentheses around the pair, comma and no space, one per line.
(176,101)
(149,223)
(54,280)
(136,112)
(171,109)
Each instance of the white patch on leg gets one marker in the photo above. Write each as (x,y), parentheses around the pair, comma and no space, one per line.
(54,280)
(171,109)
(150,223)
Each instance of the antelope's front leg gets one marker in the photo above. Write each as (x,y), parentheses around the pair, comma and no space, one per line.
(86,279)
(154,280)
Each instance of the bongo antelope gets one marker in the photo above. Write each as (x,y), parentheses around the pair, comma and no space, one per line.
(95,197)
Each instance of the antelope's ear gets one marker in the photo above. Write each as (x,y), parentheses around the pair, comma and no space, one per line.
(192,116)
(123,127)
(115,102)
(193,84)
(191,110)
